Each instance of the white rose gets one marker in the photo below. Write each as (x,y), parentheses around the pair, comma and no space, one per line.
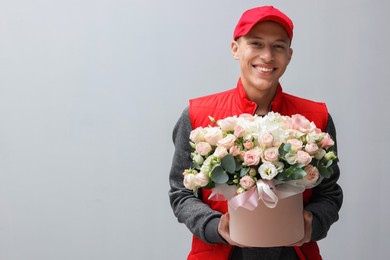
(227,142)
(197,135)
(213,135)
(266,139)
(203,148)
(320,154)
(189,181)
(201,179)
(227,124)
(220,152)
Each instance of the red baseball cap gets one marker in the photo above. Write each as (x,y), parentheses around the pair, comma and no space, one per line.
(264,13)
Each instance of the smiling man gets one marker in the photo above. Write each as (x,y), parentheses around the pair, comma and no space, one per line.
(262,45)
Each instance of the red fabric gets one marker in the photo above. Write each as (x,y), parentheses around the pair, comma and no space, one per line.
(235,102)
(258,14)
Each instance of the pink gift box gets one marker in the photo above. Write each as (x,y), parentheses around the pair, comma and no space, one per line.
(268,227)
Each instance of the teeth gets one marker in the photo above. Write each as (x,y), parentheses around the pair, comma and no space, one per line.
(264,69)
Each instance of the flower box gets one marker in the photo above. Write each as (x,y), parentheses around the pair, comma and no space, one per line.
(268,227)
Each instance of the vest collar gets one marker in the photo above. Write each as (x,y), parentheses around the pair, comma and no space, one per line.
(248,106)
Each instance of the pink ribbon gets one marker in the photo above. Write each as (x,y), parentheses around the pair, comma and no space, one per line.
(268,191)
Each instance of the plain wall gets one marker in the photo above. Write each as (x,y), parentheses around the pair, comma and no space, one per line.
(90,92)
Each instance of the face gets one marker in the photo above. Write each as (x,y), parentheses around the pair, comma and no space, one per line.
(264,54)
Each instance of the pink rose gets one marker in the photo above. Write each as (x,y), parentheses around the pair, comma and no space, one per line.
(241,155)
(201,179)
(203,148)
(235,150)
(327,141)
(295,144)
(213,135)
(197,135)
(312,174)
(239,131)
(227,142)
(311,148)
(301,123)
(248,144)
(303,157)
(266,139)
(251,157)
(271,154)
(220,152)
(247,182)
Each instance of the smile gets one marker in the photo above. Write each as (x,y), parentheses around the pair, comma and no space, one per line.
(263,69)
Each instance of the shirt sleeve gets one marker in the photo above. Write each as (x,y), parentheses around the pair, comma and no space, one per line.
(327,197)
(189,208)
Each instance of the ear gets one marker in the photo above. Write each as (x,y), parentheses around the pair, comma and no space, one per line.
(234,48)
(290,53)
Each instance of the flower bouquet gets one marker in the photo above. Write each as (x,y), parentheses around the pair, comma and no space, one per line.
(261,165)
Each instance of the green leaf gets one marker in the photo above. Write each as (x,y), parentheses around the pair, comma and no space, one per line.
(238,165)
(329,163)
(284,149)
(244,171)
(218,175)
(287,147)
(196,165)
(228,163)
(209,186)
(325,172)
(298,174)
(295,172)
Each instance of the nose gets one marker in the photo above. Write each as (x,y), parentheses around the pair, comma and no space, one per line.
(266,54)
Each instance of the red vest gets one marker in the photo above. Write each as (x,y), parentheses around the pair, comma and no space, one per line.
(235,102)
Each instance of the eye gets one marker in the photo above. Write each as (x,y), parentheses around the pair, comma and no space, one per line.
(279,46)
(256,44)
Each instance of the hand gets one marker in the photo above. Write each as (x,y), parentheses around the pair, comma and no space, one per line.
(308,220)
(224,231)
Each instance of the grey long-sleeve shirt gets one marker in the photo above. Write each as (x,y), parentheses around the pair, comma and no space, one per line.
(202,221)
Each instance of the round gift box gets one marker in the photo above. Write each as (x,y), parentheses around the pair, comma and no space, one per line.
(268,227)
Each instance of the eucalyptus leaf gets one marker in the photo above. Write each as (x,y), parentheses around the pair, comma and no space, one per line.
(244,171)
(218,175)
(281,150)
(298,174)
(294,172)
(238,165)
(228,163)
(209,186)
(287,147)
(325,172)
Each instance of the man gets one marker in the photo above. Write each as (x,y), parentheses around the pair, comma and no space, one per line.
(261,44)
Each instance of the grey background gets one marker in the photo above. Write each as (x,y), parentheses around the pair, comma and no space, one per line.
(90,91)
